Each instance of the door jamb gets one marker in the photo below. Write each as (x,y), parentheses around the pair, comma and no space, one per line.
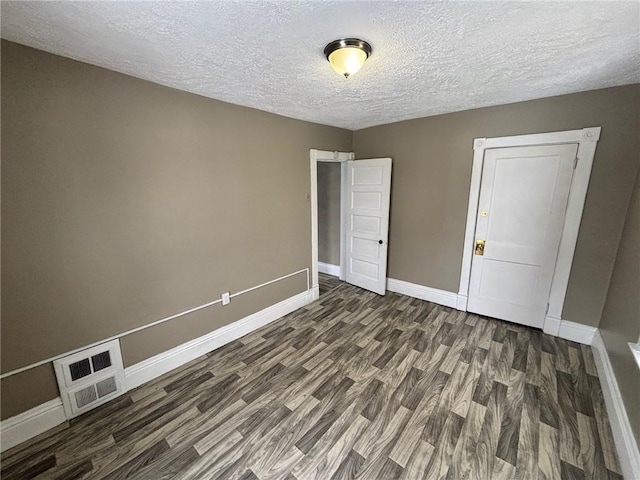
(327,156)
(587,139)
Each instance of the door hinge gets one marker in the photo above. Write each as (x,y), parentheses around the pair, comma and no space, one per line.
(575,163)
(547,310)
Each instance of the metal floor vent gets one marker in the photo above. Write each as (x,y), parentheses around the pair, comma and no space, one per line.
(90,378)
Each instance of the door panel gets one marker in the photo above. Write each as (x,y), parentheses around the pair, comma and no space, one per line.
(366,224)
(368,200)
(366,247)
(523,198)
(368,192)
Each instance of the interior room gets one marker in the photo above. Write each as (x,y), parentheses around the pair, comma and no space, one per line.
(320,240)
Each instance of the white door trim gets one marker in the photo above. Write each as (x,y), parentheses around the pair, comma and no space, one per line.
(625,442)
(586,139)
(327,156)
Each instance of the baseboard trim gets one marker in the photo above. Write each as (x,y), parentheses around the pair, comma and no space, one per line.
(147,370)
(576,332)
(434,295)
(552,325)
(26,425)
(623,437)
(635,350)
(461,302)
(329,269)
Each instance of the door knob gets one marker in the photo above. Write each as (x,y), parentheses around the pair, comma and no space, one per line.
(479,247)
(380,242)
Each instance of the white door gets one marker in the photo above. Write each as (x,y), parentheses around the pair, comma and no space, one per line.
(523,198)
(367,222)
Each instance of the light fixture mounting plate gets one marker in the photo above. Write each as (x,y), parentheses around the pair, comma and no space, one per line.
(347,42)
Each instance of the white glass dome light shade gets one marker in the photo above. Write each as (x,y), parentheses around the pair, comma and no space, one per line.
(347,56)
(347,61)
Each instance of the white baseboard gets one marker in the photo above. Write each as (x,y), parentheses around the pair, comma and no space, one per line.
(620,427)
(635,350)
(24,426)
(147,370)
(552,325)
(329,269)
(576,332)
(315,293)
(21,428)
(461,302)
(441,297)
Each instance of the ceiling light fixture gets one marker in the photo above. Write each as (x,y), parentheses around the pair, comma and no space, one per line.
(347,55)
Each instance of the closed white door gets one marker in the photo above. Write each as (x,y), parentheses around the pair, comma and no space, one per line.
(521,210)
(367,222)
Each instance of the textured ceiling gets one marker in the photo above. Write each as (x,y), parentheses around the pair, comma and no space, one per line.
(428,58)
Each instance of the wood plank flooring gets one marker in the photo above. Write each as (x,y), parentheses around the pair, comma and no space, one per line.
(353,386)
(328,282)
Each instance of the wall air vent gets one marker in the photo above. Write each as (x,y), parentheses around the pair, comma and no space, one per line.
(90,378)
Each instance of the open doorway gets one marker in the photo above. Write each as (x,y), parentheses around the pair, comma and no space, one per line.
(329,221)
(362,216)
(328,182)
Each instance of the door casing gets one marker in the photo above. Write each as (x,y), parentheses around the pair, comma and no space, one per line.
(587,139)
(523,199)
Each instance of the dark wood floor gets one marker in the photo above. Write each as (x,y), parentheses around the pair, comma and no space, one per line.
(328,282)
(352,386)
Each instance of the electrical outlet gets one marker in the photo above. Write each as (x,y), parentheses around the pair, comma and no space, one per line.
(226,299)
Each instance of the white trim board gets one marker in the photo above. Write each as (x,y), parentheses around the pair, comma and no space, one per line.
(329,269)
(153,367)
(434,295)
(586,139)
(22,427)
(623,437)
(635,350)
(576,332)
(153,324)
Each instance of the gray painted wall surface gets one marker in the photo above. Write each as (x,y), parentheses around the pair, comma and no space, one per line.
(329,212)
(432,160)
(620,322)
(124,202)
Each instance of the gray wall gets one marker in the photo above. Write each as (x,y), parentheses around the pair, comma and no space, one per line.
(620,322)
(432,160)
(124,202)
(329,212)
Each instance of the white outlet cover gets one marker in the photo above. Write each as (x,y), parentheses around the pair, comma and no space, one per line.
(226,299)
